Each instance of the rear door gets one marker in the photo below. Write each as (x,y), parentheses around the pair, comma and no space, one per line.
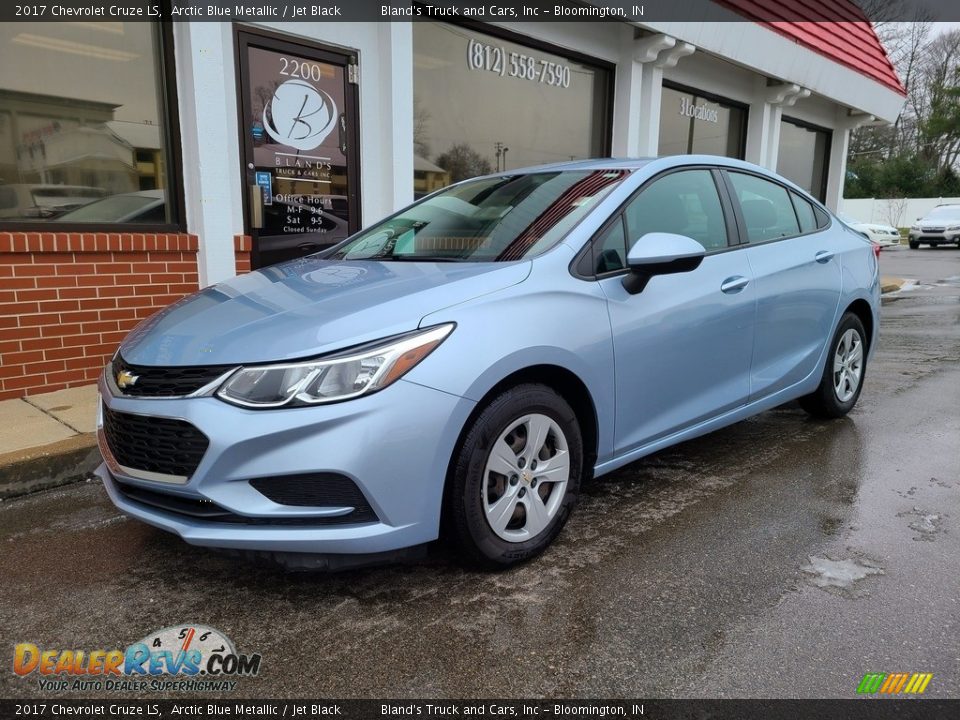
(797,277)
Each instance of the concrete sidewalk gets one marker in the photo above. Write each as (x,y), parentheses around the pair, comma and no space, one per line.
(47,440)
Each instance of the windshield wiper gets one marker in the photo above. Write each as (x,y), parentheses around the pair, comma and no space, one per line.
(420,258)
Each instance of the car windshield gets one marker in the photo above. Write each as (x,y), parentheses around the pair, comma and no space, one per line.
(508,217)
(942,213)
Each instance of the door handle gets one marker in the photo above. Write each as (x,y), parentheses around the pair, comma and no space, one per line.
(256,206)
(823,256)
(734,284)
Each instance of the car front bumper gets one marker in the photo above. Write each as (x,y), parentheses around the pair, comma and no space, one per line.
(395,446)
(935,238)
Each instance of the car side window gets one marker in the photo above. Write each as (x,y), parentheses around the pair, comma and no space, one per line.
(684,202)
(805,214)
(766,208)
(610,249)
(822,218)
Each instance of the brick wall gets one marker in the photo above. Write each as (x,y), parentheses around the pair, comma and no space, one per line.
(242,246)
(68,299)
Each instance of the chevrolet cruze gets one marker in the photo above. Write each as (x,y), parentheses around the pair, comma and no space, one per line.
(460,368)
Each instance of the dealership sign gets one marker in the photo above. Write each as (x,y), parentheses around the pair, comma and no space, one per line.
(698,112)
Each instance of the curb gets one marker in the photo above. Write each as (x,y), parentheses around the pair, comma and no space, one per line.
(40,468)
(890,284)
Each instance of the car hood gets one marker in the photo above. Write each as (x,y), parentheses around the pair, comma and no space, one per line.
(940,222)
(308,307)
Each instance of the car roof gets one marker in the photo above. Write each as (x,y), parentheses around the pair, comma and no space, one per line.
(659,164)
(663,162)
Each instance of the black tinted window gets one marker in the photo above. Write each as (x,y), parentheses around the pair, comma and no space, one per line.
(685,203)
(822,218)
(610,249)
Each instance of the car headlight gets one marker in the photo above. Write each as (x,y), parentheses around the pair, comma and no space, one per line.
(953,227)
(336,377)
(914,227)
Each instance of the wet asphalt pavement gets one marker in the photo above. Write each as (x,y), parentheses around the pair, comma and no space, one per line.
(780,557)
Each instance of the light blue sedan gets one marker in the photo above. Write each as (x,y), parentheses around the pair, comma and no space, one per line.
(467,363)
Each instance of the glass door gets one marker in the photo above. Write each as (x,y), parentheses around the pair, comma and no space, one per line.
(299,133)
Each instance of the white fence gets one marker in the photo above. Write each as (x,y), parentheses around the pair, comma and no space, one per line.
(899,212)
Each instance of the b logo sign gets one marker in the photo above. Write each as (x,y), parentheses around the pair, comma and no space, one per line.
(299,115)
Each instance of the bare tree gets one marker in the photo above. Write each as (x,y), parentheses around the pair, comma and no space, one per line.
(893,210)
(421,121)
(939,123)
(907,45)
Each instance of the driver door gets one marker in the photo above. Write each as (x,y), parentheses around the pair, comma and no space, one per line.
(683,344)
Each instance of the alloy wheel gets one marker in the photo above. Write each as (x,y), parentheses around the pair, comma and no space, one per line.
(848,365)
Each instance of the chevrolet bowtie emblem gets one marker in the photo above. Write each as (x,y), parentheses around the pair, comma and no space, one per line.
(125,379)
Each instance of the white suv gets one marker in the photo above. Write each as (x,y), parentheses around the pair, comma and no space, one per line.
(940,226)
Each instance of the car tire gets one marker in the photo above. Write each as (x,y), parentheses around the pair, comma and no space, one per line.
(843,373)
(494,473)
(914,245)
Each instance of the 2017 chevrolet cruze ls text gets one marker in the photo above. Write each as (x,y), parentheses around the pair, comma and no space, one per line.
(471,360)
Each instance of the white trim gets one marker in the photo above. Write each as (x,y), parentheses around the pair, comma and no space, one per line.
(762,50)
(206,88)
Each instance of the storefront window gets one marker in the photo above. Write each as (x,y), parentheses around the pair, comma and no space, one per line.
(483,104)
(694,123)
(82,121)
(803,155)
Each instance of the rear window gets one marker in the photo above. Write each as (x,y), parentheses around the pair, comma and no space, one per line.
(805,214)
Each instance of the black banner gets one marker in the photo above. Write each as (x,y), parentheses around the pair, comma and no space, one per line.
(914,709)
(503,11)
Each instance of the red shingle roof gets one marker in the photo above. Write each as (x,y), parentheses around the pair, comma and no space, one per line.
(834,28)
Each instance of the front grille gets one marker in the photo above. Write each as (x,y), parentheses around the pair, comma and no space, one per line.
(154,444)
(154,381)
(933,229)
(210,511)
(316,490)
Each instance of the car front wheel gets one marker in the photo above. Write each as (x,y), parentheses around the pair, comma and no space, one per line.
(914,245)
(516,477)
(843,373)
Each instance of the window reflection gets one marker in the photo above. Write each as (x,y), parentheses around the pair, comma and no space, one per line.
(803,156)
(483,104)
(81,121)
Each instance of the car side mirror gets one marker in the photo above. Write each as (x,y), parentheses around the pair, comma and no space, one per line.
(659,253)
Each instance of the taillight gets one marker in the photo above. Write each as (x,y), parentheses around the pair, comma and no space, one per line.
(876,251)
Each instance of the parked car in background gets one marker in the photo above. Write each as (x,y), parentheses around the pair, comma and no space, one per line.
(477,355)
(877,233)
(44,202)
(940,226)
(145,206)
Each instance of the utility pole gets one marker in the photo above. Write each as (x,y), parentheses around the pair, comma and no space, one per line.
(501,153)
